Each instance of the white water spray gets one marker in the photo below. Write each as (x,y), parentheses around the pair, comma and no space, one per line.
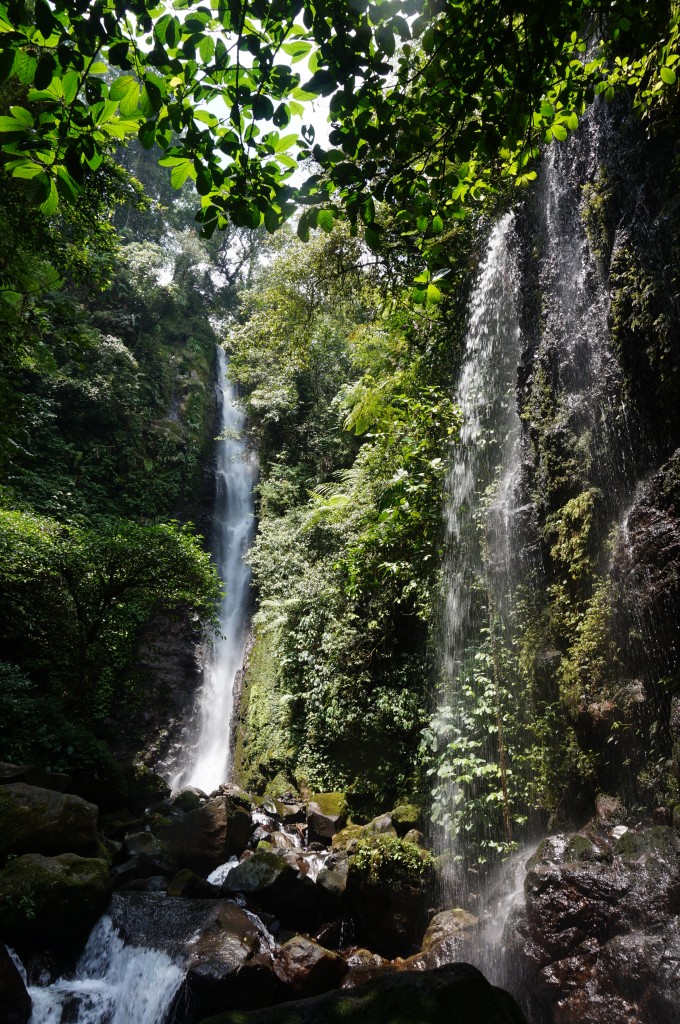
(206,753)
(113,984)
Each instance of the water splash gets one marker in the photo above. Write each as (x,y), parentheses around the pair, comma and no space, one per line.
(112,984)
(204,761)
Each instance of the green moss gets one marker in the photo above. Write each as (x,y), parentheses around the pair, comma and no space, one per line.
(570,534)
(387,862)
(332,804)
(261,752)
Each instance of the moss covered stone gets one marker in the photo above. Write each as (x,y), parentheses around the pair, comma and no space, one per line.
(55,899)
(33,819)
(406,817)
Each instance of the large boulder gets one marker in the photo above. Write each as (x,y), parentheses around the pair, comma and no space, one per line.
(209,835)
(15,1002)
(230,964)
(147,856)
(387,886)
(600,929)
(275,883)
(326,815)
(455,994)
(54,899)
(36,820)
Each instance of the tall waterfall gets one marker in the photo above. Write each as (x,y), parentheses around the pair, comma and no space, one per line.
(481,483)
(205,757)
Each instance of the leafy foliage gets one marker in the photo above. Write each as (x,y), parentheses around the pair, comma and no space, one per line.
(432,103)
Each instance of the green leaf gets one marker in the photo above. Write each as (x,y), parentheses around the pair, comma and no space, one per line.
(433,294)
(559,132)
(181,172)
(325,220)
(297,50)
(122,86)
(129,104)
(437,225)
(52,201)
(285,142)
(23,116)
(206,48)
(10,124)
(668,75)
(26,170)
(147,134)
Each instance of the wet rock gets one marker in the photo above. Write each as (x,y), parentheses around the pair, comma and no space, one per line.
(265,875)
(326,815)
(187,883)
(456,993)
(601,925)
(15,1002)
(230,964)
(380,826)
(414,836)
(45,821)
(347,838)
(33,776)
(55,899)
(609,810)
(449,924)
(307,969)
(209,835)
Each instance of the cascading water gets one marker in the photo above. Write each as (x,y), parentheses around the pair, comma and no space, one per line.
(113,983)
(493,486)
(204,760)
(481,482)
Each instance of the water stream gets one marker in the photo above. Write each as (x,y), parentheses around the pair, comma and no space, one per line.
(205,753)
(113,983)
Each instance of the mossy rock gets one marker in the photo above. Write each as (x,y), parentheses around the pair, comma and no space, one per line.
(349,834)
(660,842)
(33,819)
(405,817)
(54,899)
(331,804)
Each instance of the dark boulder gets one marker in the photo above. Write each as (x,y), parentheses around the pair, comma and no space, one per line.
(600,927)
(45,821)
(54,899)
(456,994)
(326,815)
(150,855)
(387,885)
(33,776)
(209,835)
(230,964)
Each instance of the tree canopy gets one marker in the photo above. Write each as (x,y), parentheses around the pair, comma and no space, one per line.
(433,104)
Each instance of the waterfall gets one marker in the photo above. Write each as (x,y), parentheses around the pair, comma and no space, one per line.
(204,761)
(113,983)
(481,485)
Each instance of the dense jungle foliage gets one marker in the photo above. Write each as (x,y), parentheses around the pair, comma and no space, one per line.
(344,337)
